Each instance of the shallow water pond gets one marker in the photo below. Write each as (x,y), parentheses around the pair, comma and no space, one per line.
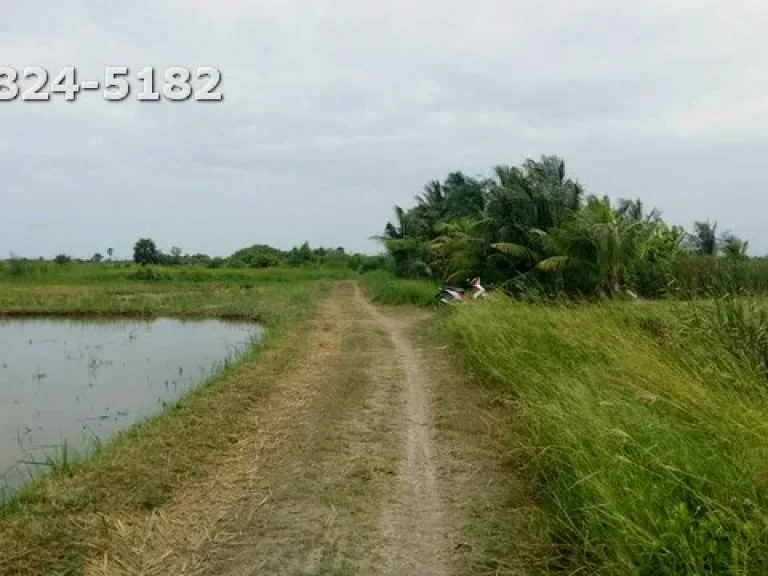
(77,382)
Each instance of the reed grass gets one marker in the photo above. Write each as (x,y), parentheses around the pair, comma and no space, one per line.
(644,427)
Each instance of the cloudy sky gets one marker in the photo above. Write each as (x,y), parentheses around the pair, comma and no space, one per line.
(334,110)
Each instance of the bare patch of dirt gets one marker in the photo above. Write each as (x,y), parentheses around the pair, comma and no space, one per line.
(173,539)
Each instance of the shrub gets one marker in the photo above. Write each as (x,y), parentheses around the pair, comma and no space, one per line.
(149,274)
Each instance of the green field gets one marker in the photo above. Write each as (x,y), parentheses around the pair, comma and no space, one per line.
(262,301)
(50,273)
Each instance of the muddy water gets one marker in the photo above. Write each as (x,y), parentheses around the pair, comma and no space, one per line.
(78,382)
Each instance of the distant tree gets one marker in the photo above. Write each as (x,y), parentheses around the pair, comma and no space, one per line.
(110,251)
(145,252)
(97,257)
(704,238)
(256,256)
(17,266)
(198,259)
(732,246)
(62,259)
(176,255)
(301,255)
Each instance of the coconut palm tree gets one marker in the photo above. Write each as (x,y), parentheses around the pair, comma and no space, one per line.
(525,204)
(459,250)
(404,244)
(600,240)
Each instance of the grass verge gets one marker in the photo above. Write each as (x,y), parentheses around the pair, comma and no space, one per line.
(485,485)
(644,429)
(53,523)
(385,288)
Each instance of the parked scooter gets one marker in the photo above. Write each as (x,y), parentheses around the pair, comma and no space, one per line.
(450,295)
(455,295)
(477,289)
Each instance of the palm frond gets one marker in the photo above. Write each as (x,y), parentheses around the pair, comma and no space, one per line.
(510,249)
(552,265)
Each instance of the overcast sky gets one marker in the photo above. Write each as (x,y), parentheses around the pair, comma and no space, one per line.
(335,110)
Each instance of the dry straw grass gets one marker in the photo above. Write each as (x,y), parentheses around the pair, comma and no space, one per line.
(173,539)
(122,500)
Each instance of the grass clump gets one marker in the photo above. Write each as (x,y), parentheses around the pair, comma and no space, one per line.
(645,429)
(385,288)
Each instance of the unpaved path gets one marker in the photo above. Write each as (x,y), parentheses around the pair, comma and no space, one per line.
(336,473)
(412,521)
(174,538)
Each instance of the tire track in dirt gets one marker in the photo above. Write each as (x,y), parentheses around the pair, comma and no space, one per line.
(414,538)
(174,538)
(327,494)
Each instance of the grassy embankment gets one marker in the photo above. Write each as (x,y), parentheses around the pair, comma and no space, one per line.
(638,429)
(50,524)
(384,288)
(644,428)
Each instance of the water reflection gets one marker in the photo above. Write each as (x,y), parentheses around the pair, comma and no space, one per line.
(81,381)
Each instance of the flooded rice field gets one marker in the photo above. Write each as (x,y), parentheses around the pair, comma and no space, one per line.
(75,383)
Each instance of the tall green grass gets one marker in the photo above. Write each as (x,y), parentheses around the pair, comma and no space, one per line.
(385,288)
(696,274)
(646,428)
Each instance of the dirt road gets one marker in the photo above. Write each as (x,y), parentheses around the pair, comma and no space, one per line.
(339,471)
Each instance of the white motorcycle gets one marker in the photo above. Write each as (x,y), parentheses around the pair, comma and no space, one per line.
(455,295)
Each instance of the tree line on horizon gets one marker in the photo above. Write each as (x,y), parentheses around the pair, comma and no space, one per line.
(147,253)
(532,226)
